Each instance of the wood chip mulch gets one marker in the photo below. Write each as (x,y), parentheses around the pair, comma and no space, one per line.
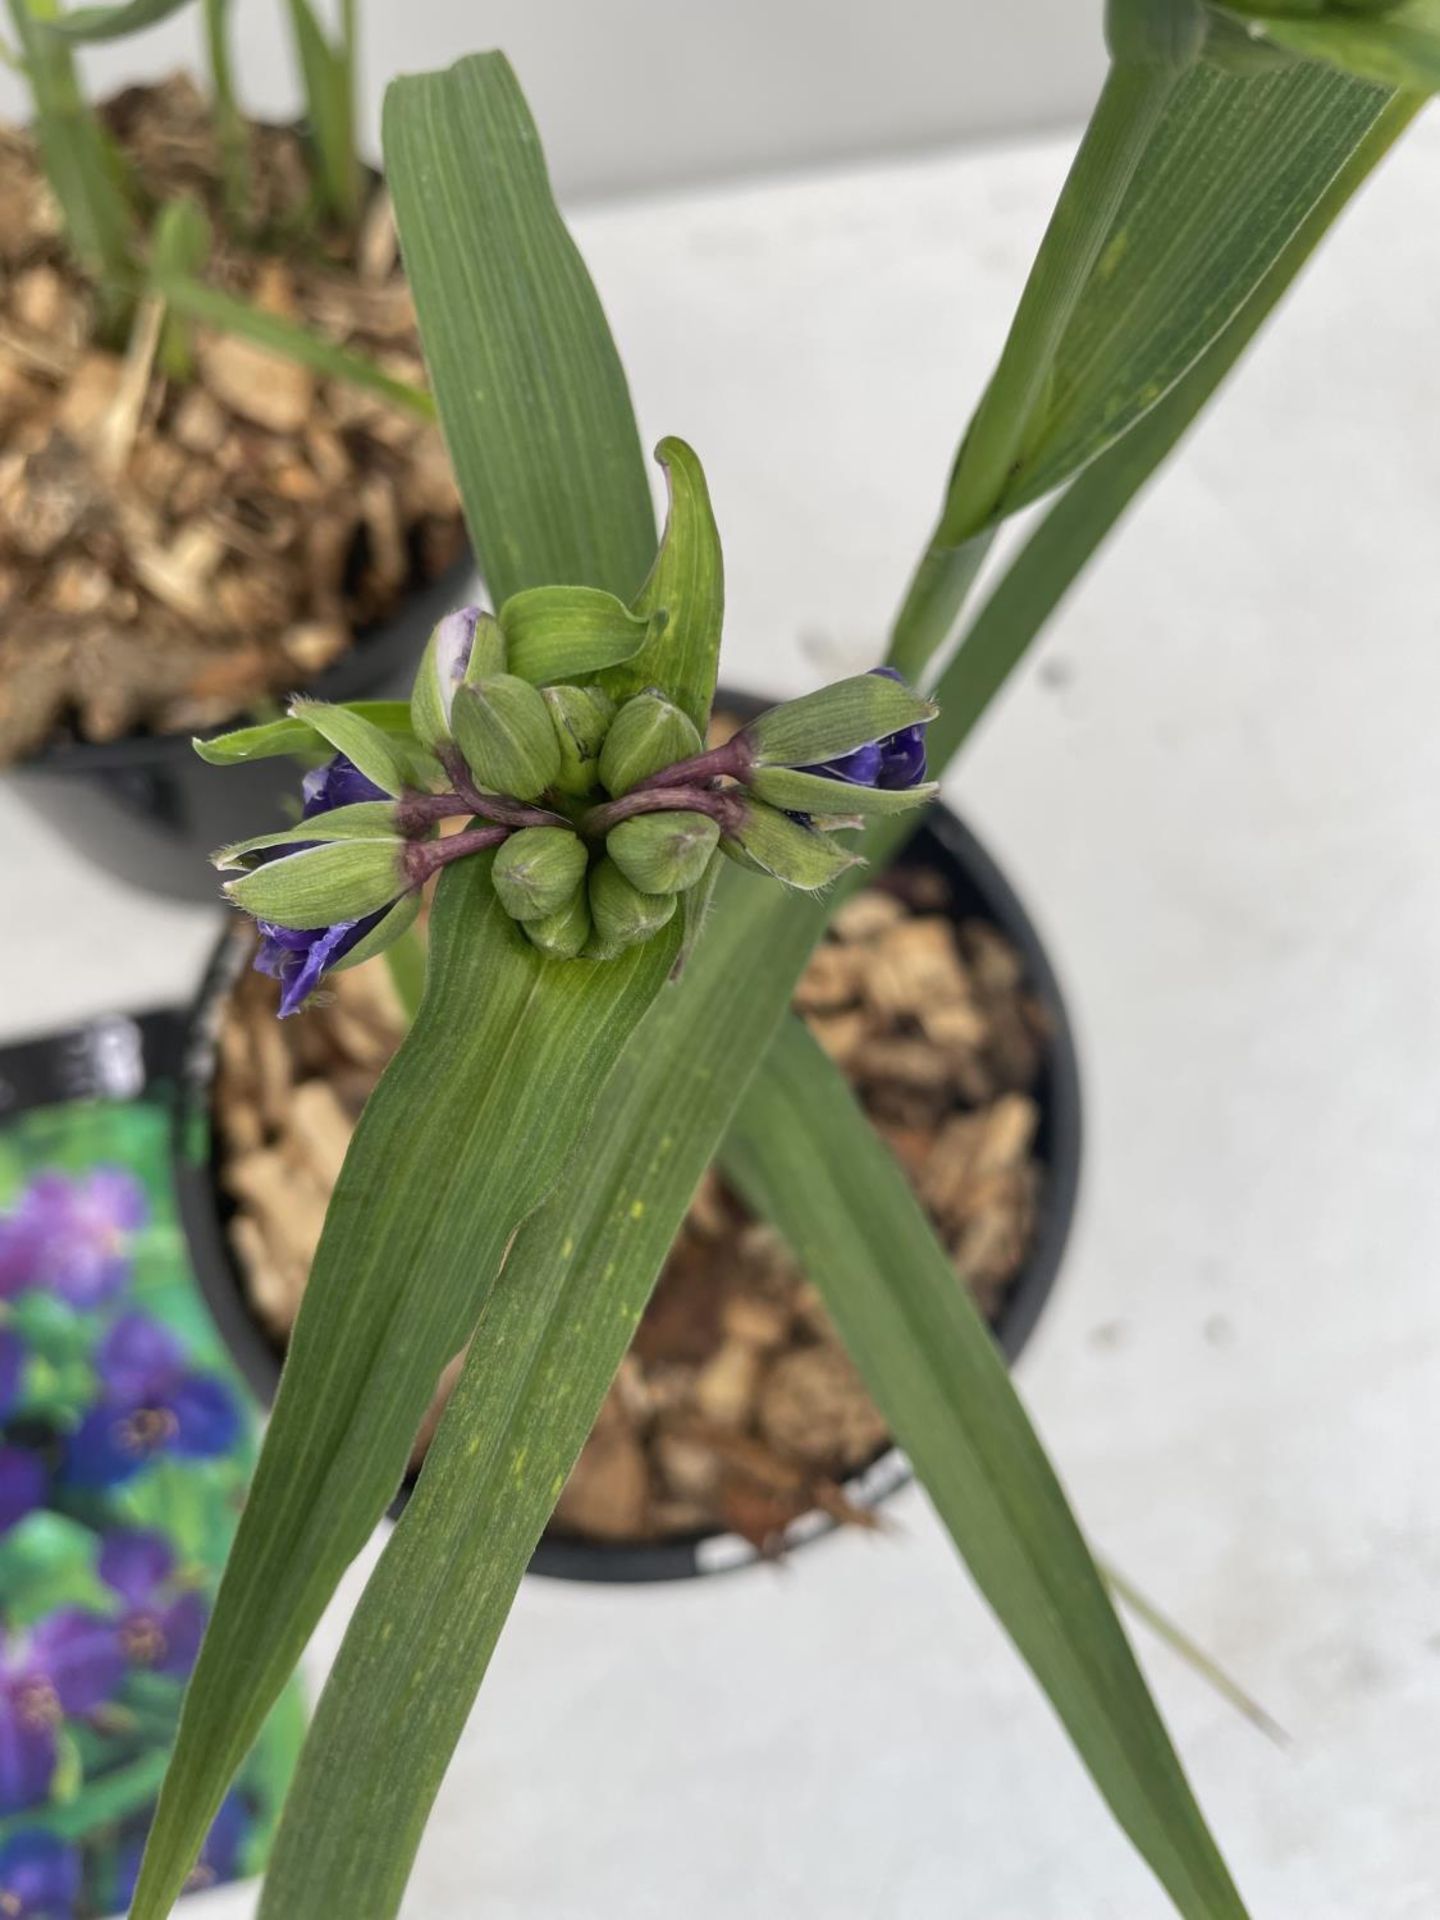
(736,1408)
(172,554)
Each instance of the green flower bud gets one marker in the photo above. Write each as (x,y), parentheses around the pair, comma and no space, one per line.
(771,842)
(834,721)
(318,886)
(467,645)
(580,716)
(648,733)
(503,729)
(623,916)
(663,852)
(565,934)
(538,871)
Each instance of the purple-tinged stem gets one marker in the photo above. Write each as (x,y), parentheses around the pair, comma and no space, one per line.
(726,808)
(732,761)
(426,857)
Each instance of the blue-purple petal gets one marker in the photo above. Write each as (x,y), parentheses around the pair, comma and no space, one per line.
(100,1452)
(39,1877)
(207,1418)
(220,1855)
(902,759)
(139,1358)
(298,959)
(12,1368)
(136,1562)
(27,1753)
(182,1628)
(79,1653)
(24,1484)
(339,783)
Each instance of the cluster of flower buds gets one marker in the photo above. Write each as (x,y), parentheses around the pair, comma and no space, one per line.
(599,804)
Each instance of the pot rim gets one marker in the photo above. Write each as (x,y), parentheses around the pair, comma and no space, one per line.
(940,833)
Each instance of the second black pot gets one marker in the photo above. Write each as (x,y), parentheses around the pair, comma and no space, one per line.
(148,810)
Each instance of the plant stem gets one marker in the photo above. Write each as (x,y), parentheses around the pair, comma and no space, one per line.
(229,122)
(1125,117)
(425,858)
(727,808)
(78,162)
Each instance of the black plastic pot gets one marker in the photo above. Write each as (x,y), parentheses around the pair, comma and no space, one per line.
(148,810)
(978,890)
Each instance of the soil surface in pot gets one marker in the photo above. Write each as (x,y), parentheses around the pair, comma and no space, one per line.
(737,1408)
(173,552)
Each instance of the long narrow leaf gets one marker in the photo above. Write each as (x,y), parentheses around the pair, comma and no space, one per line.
(802,1147)
(1230,171)
(1072,531)
(466,1135)
(547,1346)
(284,338)
(532,395)
(1235,168)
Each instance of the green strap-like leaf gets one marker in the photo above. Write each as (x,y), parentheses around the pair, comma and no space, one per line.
(545,1350)
(802,1149)
(532,395)
(1221,182)
(1072,531)
(283,337)
(466,1135)
(1234,170)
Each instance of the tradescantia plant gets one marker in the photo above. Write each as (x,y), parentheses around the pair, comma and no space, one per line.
(521,1171)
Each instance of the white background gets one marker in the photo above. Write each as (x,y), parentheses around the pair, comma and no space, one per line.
(634,93)
(1217,785)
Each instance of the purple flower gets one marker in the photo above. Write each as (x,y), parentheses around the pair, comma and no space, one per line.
(12,1368)
(220,1857)
(72,1237)
(298,959)
(152,1402)
(159,1628)
(24,1484)
(896,761)
(339,783)
(39,1877)
(70,1664)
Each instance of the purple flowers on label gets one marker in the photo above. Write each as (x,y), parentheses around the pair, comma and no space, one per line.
(24,1484)
(152,1403)
(161,1625)
(73,1238)
(39,1877)
(69,1664)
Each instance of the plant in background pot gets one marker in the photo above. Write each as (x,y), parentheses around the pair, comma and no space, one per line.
(622,917)
(222,478)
